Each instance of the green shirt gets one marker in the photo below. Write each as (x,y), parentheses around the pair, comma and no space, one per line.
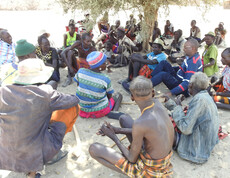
(70,39)
(210,52)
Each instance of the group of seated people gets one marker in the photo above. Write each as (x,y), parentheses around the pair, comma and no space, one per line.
(35,117)
(195,32)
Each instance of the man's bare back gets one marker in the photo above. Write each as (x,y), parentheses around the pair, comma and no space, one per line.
(155,126)
(151,137)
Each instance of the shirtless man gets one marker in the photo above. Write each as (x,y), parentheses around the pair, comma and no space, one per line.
(151,137)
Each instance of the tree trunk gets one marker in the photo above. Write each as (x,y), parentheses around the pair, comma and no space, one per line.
(150,16)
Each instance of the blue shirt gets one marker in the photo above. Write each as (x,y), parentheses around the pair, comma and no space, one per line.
(199,127)
(187,69)
(159,57)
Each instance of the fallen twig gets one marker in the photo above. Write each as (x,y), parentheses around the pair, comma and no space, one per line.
(122,138)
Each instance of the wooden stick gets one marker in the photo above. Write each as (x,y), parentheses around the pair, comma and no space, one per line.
(129,103)
(122,138)
(77,150)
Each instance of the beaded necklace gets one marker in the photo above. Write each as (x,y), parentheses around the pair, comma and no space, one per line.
(87,49)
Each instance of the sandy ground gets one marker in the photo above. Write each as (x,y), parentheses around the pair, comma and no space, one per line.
(84,166)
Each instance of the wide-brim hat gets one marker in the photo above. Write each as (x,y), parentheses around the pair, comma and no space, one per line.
(158,41)
(95,59)
(33,71)
(210,34)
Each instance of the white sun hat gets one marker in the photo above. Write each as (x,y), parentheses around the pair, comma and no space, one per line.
(33,71)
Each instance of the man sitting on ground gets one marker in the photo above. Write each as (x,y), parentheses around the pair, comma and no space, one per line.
(125,47)
(24,50)
(71,36)
(7,48)
(176,49)
(29,137)
(150,151)
(222,86)
(144,65)
(84,47)
(198,128)
(209,55)
(177,78)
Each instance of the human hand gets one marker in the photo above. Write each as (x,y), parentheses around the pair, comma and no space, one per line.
(115,129)
(108,131)
(166,97)
(180,60)
(179,99)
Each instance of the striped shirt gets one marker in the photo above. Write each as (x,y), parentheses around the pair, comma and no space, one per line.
(226,77)
(92,90)
(189,67)
(7,53)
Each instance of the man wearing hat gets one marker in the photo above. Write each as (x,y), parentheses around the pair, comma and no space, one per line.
(94,89)
(209,56)
(177,78)
(23,50)
(29,137)
(144,65)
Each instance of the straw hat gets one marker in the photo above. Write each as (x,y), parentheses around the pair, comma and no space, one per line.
(158,41)
(32,71)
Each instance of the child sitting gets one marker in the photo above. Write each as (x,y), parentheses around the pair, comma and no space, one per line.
(110,55)
(95,91)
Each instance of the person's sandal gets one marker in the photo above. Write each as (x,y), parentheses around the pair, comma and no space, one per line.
(57,157)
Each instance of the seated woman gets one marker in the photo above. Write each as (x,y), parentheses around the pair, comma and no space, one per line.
(220,33)
(198,128)
(195,31)
(95,91)
(49,56)
(144,65)
(222,86)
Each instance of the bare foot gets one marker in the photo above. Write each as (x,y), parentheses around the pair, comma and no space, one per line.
(31,175)
(109,70)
